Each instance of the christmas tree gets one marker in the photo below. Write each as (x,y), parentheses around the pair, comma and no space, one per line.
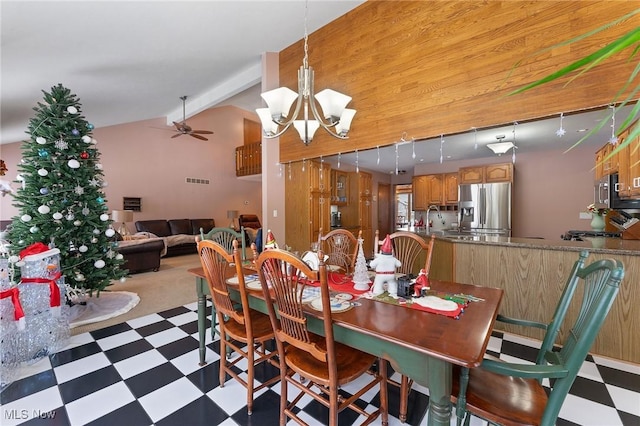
(61,198)
(361,279)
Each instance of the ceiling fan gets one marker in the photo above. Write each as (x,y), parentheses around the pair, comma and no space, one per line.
(184,129)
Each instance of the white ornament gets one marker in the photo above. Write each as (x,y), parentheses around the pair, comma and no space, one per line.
(77,223)
(109,232)
(42,172)
(34,229)
(57,215)
(72,110)
(99,264)
(41,140)
(99,166)
(44,209)
(96,231)
(83,248)
(119,256)
(86,139)
(86,211)
(70,216)
(94,240)
(104,217)
(123,279)
(73,163)
(14,259)
(79,277)
(25,218)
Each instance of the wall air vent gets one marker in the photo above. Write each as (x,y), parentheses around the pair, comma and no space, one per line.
(197,180)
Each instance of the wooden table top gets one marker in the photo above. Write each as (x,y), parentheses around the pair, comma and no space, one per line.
(460,341)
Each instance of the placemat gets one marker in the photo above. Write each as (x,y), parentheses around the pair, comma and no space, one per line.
(386,298)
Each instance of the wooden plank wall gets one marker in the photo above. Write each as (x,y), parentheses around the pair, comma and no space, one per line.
(533,280)
(439,67)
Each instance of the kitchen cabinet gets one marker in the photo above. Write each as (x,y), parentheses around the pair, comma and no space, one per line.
(308,207)
(364,211)
(626,162)
(339,188)
(606,163)
(451,188)
(437,189)
(486,174)
(419,187)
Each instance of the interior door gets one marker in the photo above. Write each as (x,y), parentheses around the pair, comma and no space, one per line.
(384,208)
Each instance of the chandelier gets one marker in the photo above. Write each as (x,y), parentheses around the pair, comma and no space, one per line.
(335,118)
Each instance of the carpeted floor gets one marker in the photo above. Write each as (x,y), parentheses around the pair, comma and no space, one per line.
(168,288)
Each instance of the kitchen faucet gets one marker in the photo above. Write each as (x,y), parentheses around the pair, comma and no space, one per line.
(437,209)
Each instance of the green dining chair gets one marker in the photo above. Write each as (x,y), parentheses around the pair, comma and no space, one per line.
(225,237)
(509,393)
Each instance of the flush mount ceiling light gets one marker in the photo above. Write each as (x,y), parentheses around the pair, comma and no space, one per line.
(279,101)
(500,148)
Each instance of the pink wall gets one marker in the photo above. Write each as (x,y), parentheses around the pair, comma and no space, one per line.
(550,189)
(140,159)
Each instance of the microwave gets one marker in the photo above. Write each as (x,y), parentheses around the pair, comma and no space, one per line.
(605,193)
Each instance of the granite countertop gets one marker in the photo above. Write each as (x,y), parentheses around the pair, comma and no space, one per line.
(616,246)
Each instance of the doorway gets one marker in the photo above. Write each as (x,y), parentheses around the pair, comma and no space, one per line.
(384,208)
(403,206)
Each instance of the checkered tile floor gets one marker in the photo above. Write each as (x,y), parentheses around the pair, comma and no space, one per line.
(145,372)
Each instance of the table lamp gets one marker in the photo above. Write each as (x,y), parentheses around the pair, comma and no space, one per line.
(122,217)
(232,214)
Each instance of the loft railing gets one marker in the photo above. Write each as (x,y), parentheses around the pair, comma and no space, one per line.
(249,159)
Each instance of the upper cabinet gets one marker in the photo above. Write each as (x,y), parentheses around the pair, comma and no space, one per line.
(339,188)
(439,189)
(486,174)
(627,161)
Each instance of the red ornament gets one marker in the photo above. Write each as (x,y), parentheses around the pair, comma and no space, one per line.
(84,155)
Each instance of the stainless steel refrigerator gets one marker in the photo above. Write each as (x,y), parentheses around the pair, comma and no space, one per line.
(485,208)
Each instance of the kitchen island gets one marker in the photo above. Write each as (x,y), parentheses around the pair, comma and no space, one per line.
(533,272)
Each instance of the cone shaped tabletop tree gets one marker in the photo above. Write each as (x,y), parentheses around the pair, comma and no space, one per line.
(61,199)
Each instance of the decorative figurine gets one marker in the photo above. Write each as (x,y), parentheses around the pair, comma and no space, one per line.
(271,241)
(385,265)
(422,282)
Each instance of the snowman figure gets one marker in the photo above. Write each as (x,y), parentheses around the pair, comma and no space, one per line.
(385,265)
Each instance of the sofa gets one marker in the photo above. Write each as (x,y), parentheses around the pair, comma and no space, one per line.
(141,255)
(179,235)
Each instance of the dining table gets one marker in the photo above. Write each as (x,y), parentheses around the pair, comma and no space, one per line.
(419,344)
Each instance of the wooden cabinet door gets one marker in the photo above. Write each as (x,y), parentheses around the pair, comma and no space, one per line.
(451,188)
(339,188)
(364,184)
(471,175)
(420,188)
(498,173)
(435,192)
(319,176)
(599,163)
(634,167)
(624,173)
(319,215)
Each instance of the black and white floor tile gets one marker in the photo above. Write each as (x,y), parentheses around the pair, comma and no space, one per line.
(145,372)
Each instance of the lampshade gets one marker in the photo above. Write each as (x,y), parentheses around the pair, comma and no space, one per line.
(232,214)
(332,103)
(311,127)
(270,127)
(500,147)
(122,216)
(342,128)
(279,101)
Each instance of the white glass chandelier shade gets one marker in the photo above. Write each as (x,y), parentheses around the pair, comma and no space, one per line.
(269,126)
(333,104)
(342,127)
(306,129)
(500,148)
(279,102)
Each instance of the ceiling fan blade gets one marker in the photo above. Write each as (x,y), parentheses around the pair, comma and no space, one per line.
(202,138)
(176,135)
(202,132)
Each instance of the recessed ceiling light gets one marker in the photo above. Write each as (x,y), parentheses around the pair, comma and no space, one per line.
(581,130)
